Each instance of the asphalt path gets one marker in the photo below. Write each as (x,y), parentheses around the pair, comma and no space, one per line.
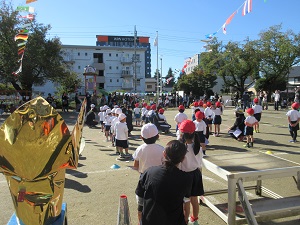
(92,192)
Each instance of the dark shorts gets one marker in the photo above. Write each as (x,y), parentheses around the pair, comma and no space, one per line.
(143,117)
(101,122)
(209,121)
(197,186)
(137,116)
(217,119)
(257,116)
(295,127)
(201,136)
(248,131)
(122,143)
(107,127)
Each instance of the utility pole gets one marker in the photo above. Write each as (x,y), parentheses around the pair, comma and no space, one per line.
(134,60)
(161,77)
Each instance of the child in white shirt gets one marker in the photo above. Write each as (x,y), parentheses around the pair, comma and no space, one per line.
(147,155)
(293,119)
(200,129)
(217,119)
(257,113)
(121,132)
(108,119)
(250,121)
(137,114)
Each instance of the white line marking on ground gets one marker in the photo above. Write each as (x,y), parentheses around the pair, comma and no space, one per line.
(282,158)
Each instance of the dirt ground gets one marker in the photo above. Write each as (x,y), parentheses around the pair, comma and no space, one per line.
(92,192)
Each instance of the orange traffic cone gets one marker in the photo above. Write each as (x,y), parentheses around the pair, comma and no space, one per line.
(123,214)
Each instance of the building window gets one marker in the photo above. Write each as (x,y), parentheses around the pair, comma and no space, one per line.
(101,73)
(149,86)
(117,55)
(117,67)
(101,85)
(110,80)
(85,54)
(110,67)
(79,67)
(78,53)
(98,56)
(117,80)
(109,54)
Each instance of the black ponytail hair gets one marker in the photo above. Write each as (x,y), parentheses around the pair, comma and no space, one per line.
(175,152)
(196,141)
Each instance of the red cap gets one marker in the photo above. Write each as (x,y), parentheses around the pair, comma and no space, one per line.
(295,105)
(250,111)
(199,115)
(208,104)
(255,100)
(144,104)
(204,105)
(200,103)
(187,126)
(196,104)
(137,105)
(180,107)
(218,104)
(161,111)
(153,107)
(148,107)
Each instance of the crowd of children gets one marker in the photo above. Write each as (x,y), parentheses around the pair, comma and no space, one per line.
(173,174)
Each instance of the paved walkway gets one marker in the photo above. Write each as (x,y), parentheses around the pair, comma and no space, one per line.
(92,191)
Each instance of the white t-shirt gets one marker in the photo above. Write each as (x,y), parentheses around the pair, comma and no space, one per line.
(251,119)
(277,97)
(136,110)
(208,113)
(191,161)
(180,117)
(143,111)
(148,155)
(121,131)
(257,109)
(200,126)
(217,111)
(101,116)
(162,117)
(293,114)
(108,120)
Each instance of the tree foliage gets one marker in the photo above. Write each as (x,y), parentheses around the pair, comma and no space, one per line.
(42,60)
(170,74)
(279,51)
(197,82)
(233,62)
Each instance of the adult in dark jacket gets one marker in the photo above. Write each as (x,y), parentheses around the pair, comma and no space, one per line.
(238,125)
(91,117)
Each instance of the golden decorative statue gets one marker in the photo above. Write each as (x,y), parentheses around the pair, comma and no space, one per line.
(36,149)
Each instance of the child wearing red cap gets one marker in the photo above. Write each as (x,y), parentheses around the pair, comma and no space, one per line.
(257,113)
(180,117)
(162,121)
(195,106)
(294,118)
(208,113)
(148,108)
(137,114)
(217,119)
(200,129)
(143,113)
(192,164)
(250,122)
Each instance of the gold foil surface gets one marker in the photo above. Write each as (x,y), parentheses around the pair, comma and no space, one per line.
(36,149)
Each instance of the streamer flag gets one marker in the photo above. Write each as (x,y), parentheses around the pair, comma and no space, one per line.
(22,37)
(247,7)
(169,80)
(25,9)
(230,18)
(30,1)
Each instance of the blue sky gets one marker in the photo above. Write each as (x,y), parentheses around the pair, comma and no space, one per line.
(180,24)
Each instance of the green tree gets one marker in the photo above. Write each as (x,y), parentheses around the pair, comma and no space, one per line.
(279,51)
(197,82)
(42,60)
(233,62)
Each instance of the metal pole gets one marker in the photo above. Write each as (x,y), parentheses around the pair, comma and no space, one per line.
(161,77)
(134,62)
(157,75)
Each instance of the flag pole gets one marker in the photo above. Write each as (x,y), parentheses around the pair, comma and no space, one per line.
(157,75)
